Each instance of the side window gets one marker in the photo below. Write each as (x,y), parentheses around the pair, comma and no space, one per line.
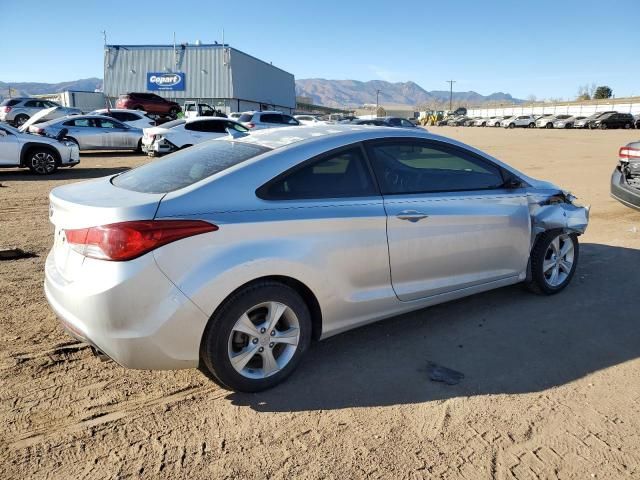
(342,174)
(419,167)
(80,122)
(122,116)
(286,119)
(395,122)
(191,107)
(271,118)
(214,126)
(236,126)
(31,104)
(104,123)
(406,123)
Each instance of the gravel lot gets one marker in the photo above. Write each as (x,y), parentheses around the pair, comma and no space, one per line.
(551,387)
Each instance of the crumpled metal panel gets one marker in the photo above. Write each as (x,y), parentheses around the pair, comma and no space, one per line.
(559,215)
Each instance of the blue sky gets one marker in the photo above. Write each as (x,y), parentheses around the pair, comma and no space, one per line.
(542,48)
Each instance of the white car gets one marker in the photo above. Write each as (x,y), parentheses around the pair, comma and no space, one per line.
(42,155)
(548,121)
(494,121)
(525,121)
(235,115)
(267,119)
(198,109)
(502,120)
(188,133)
(309,120)
(133,118)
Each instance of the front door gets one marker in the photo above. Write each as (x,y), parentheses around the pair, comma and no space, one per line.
(9,148)
(451,223)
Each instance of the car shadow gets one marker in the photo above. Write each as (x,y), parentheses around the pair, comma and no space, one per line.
(61,174)
(504,341)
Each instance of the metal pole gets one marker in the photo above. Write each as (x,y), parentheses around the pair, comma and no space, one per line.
(451,82)
(377,96)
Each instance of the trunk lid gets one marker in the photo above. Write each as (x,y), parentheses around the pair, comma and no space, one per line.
(88,204)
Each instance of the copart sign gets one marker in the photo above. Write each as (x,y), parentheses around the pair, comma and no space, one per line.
(165,81)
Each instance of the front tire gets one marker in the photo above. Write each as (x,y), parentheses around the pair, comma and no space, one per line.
(20,120)
(554,259)
(512,125)
(42,161)
(257,337)
(532,125)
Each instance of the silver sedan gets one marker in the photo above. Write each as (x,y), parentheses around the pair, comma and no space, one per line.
(93,132)
(236,253)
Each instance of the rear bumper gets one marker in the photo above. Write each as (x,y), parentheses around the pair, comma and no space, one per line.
(128,310)
(622,192)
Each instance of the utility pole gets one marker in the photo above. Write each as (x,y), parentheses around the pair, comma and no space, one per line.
(377,96)
(451,82)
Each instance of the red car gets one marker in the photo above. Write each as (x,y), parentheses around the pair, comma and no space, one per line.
(149,102)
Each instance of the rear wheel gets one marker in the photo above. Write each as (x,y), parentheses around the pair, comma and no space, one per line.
(603,126)
(627,125)
(512,125)
(554,258)
(20,119)
(42,161)
(532,125)
(257,337)
(549,125)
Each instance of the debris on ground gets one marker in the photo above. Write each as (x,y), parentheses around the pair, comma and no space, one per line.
(14,253)
(438,373)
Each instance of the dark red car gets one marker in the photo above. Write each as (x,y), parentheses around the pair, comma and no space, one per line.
(149,102)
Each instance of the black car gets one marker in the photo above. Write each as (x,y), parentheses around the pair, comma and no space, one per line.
(613,120)
(625,181)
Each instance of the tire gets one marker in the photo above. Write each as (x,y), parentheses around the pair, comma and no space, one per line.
(549,125)
(512,125)
(543,256)
(42,161)
(20,119)
(139,147)
(532,125)
(603,126)
(240,325)
(627,126)
(484,124)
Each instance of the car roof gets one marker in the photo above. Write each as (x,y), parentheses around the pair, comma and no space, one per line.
(127,110)
(207,119)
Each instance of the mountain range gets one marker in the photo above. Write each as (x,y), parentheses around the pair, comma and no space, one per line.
(353,93)
(332,93)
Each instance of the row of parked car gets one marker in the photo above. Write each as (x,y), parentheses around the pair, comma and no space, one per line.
(600,120)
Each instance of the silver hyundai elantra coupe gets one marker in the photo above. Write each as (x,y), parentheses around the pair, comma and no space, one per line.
(235,254)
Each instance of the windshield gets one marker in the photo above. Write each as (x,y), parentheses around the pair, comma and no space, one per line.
(245,117)
(186,167)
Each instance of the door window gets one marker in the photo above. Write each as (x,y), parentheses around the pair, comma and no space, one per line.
(271,118)
(211,126)
(341,174)
(104,123)
(421,167)
(80,122)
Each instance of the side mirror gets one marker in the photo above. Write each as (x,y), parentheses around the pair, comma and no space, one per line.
(512,183)
(61,134)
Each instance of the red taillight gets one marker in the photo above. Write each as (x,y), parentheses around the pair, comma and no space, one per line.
(6,109)
(627,153)
(250,125)
(128,240)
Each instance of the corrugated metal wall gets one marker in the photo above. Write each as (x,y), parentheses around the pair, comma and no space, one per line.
(206,76)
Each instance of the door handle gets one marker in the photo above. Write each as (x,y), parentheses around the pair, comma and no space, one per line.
(411,215)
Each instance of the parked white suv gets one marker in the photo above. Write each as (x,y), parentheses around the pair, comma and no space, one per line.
(267,119)
(525,121)
(185,134)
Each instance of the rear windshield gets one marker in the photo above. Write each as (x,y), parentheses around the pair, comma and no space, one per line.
(245,117)
(173,123)
(9,103)
(187,167)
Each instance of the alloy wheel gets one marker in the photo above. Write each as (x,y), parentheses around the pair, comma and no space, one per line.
(43,163)
(264,340)
(558,260)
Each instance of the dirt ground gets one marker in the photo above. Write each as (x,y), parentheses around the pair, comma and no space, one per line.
(551,386)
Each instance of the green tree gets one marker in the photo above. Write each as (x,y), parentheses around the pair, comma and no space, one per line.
(603,92)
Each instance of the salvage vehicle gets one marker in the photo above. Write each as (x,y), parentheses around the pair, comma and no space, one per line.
(198,109)
(584,123)
(234,254)
(133,118)
(625,180)
(186,134)
(149,102)
(547,122)
(494,121)
(567,122)
(20,109)
(525,121)
(613,120)
(503,120)
(309,120)
(482,122)
(395,122)
(91,132)
(267,119)
(41,155)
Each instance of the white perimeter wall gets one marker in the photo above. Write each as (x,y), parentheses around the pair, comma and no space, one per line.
(570,109)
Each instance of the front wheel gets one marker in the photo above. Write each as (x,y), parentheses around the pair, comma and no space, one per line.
(257,337)
(603,126)
(532,125)
(512,125)
(20,120)
(554,258)
(42,161)
(549,125)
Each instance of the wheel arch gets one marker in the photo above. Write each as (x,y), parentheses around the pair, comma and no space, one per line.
(302,289)
(30,146)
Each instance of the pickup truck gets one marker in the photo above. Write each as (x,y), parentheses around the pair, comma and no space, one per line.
(197,109)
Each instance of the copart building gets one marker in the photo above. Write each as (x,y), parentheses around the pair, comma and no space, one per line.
(222,76)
